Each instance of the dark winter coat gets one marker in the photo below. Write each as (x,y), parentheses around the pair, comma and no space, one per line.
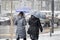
(35,25)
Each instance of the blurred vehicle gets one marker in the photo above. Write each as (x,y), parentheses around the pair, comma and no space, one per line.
(58,15)
(5,18)
(58,18)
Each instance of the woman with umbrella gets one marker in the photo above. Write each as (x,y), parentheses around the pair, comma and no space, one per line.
(20,22)
(35,25)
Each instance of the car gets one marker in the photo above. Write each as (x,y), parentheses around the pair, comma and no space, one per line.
(4,20)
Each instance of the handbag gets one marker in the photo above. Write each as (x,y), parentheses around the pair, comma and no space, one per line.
(29,30)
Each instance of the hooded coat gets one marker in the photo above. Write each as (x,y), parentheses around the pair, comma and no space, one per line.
(35,25)
(20,22)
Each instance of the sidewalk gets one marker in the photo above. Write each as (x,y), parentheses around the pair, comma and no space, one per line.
(46,36)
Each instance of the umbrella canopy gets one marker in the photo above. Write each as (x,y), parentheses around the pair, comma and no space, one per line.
(39,15)
(24,9)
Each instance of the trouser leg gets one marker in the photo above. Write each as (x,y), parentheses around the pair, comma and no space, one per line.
(24,39)
(18,38)
(33,37)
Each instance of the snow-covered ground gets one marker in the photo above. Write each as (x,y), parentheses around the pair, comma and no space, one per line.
(46,36)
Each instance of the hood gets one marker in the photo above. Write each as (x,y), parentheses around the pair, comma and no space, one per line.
(38,15)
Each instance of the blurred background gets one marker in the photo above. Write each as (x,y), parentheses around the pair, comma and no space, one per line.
(10,8)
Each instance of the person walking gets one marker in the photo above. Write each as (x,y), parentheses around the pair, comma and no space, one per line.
(20,22)
(47,22)
(35,25)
